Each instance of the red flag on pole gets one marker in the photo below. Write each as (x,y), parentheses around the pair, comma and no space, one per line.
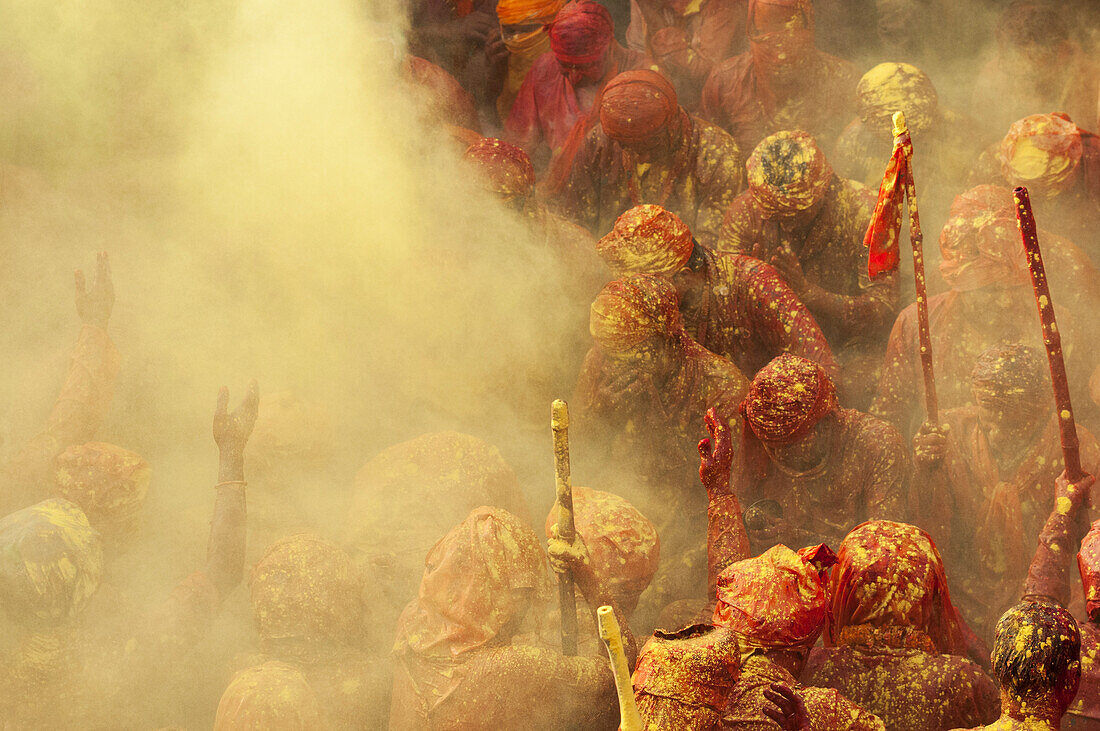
(882,235)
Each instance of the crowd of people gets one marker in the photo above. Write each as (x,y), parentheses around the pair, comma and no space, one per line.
(705,172)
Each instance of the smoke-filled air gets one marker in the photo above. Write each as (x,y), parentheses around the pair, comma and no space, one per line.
(438,365)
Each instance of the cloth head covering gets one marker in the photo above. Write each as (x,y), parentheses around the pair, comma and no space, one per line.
(51,562)
(684,674)
(633,311)
(777,599)
(527,12)
(581,33)
(647,239)
(788,173)
(1041,152)
(889,584)
(892,87)
(1035,645)
(637,105)
(305,588)
(289,432)
(1017,373)
(505,168)
(473,585)
(109,484)
(269,696)
(779,54)
(787,398)
(1088,563)
(980,243)
(622,543)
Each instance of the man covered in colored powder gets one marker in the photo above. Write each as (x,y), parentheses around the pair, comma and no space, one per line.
(775,605)
(988,479)
(648,149)
(946,142)
(1059,164)
(809,223)
(783,82)
(990,302)
(1049,579)
(895,644)
(822,469)
(1036,658)
(733,305)
(688,38)
(565,84)
(511,54)
(640,401)
(456,659)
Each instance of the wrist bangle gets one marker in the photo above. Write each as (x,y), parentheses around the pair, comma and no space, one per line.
(242,483)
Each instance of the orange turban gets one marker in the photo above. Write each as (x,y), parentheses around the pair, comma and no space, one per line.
(506,169)
(647,239)
(1088,563)
(695,667)
(788,173)
(980,243)
(581,33)
(889,579)
(622,543)
(635,310)
(1041,152)
(777,599)
(109,484)
(893,87)
(525,12)
(272,696)
(305,588)
(636,105)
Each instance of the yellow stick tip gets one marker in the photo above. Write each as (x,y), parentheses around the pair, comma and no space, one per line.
(899,124)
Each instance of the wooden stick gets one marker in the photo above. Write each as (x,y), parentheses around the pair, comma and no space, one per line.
(916,239)
(1067,427)
(629,718)
(567,598)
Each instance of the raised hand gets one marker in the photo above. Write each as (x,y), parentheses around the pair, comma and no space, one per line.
(94,305)
(930,444)
(1069,497)
(787,708)
(790,267)
(567,556)
(716,454)
(231,430)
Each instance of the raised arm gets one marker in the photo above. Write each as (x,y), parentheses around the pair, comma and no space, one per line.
(1051,567)
(84,398)
(226,549)
(727,541)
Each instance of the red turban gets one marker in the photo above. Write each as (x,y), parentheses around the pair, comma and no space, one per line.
(637,105)
(635,310)
(470,589)
(777,599)
(980,242)
(1088,563)
(779,53)
(1042,152)
(622,543)
(581,33)
(889,583)
(787,398)
(686,675)
(647,239)
(507,169)
(788,173)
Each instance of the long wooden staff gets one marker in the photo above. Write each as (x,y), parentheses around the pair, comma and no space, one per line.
(916,239)
(629,718)
(559,425)
(1067,427)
